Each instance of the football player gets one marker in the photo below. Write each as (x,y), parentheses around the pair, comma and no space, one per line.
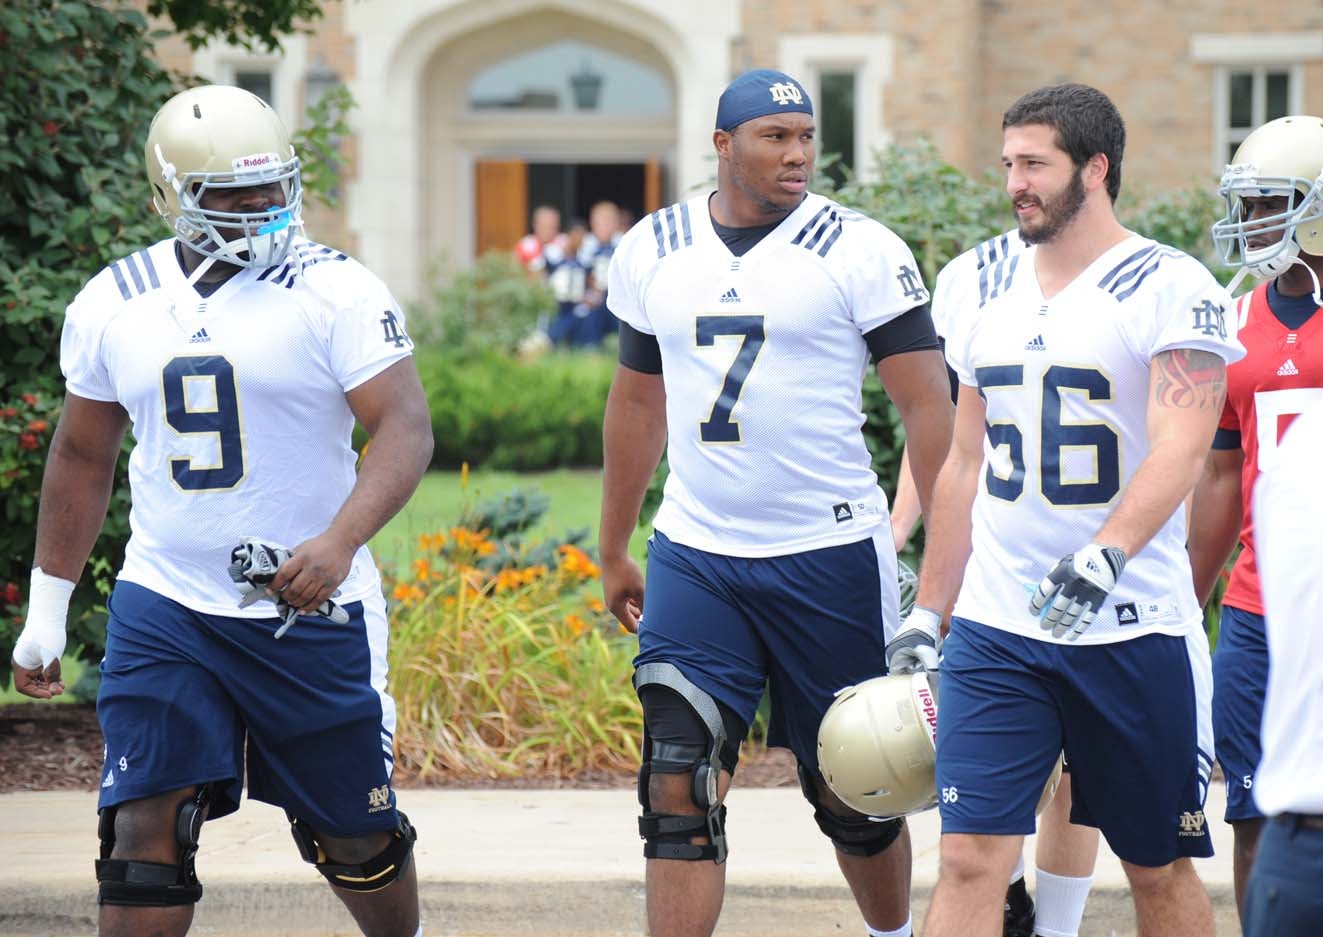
(240,354)
(1066,852)
(1282,898)
(1273,229)
(1092,371)
(748,318)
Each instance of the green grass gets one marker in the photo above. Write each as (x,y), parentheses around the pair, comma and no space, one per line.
(576,501)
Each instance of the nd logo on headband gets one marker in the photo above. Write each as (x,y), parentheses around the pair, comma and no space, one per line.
(784,93)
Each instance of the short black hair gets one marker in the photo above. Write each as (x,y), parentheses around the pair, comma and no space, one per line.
(1085,120)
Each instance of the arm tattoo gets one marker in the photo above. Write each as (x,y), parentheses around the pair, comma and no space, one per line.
(1189,379)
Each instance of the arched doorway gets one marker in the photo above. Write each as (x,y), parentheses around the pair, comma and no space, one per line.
(547,108)
(418,141)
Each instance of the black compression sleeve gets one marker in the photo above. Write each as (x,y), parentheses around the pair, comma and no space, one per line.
(909,331)
(639,351)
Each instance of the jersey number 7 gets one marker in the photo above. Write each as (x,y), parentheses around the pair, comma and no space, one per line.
(718,427)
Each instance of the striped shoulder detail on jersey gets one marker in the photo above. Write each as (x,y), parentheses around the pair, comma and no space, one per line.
(671,228)
(1123,279)
(996,267)
(311,253)
(823,229)
(1243,302)
(135,275)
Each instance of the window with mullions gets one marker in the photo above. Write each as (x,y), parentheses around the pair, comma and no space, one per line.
(1253,96)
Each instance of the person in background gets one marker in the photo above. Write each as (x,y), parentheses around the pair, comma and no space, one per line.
(599,246)
(531,249)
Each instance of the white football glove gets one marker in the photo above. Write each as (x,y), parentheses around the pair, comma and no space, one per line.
(41,642)
(254,564)
(915,648)
(1068,598)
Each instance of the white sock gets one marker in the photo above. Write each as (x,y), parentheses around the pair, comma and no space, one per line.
(1060,902)
(1019,868)
(905,930)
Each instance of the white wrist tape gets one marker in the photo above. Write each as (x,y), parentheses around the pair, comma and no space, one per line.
(43,636)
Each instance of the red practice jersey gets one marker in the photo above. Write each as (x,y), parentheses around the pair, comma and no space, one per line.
(1280,375)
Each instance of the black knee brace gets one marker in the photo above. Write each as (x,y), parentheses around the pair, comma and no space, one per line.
(667,835)
(853,834)
(136,883)
(371,875)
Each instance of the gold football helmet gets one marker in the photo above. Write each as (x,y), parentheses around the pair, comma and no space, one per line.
(877,747)
(1283,157)
(221,137)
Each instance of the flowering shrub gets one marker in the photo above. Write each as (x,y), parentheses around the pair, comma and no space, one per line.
(508,668)
(26,425)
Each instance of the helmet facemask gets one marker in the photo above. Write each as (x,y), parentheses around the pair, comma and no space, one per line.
(1233,232)
(256,239)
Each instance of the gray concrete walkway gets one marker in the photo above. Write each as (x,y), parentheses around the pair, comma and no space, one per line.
(506,862)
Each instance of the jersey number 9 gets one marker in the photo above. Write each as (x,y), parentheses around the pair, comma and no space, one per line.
(213,411)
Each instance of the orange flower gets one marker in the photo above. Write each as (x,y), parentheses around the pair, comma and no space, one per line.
(596,605)
(408,594)
(422,570)
(576,562)
(431,542)
(473,540)
(576,624)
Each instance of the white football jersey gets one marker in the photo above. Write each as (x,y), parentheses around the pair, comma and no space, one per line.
(237,403)
(975,276)
(1065,382)
(763,357)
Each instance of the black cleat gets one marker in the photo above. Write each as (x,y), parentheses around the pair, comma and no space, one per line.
(1018,917)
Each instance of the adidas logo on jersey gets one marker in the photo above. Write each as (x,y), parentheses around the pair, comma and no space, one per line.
(1036,344)
(842,512)
(199,336)
(1127,614)
(1288,369)
(730,296)
(110,778)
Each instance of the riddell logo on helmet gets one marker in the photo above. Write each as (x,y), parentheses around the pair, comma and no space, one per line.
(928,707)
(256,161)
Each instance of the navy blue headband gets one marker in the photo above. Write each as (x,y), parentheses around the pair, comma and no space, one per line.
(759,93)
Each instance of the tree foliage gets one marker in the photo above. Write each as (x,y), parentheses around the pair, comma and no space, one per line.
(247,23)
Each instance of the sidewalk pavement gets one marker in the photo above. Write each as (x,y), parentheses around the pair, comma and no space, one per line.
(508,861)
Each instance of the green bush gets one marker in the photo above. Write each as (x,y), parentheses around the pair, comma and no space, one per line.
(503,412)
(493,304)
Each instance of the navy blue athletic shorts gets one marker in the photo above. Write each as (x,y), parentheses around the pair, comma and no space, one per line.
(805,625)
(186,696)
(1283,898)
(1132,718)
(1240,683)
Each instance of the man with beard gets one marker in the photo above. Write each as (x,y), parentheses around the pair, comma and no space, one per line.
(748,316)
(1066,852)
(1092,372)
